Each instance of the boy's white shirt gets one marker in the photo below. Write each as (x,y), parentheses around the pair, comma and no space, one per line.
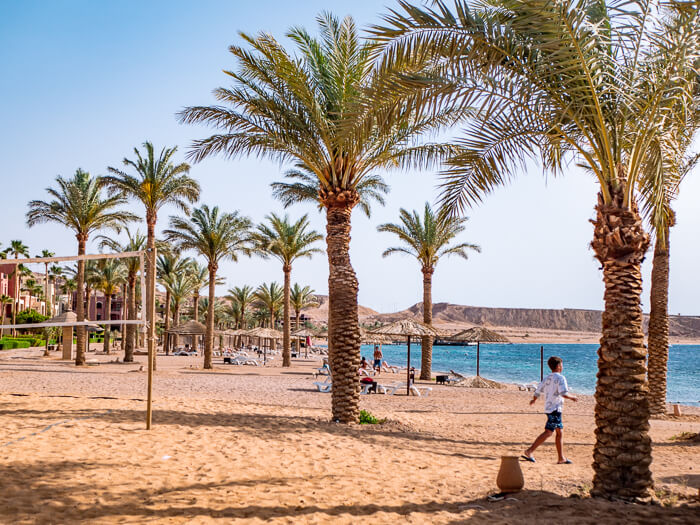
(554,387)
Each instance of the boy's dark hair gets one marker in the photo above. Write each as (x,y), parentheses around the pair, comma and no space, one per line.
(553,362)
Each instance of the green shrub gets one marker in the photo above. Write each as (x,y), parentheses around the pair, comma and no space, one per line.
(367,418)
(29,316)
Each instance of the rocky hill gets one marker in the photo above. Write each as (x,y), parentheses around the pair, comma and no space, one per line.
(523,319)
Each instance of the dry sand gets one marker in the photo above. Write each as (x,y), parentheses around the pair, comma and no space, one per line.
(252,445)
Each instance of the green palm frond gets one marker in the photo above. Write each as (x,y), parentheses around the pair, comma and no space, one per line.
(285,240)
(79,205)
(428,238)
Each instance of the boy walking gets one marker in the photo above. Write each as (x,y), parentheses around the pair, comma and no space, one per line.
(555,391)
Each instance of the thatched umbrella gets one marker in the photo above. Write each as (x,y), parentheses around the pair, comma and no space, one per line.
(264,333)
(304,332)
(192,328)
(407,328)
(478,335)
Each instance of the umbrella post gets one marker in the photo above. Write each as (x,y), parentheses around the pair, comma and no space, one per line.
(541,362)
(477,359)
(408,368)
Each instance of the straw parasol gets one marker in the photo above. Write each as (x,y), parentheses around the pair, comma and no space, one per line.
(188,328)
(478,335)
(304,333)
(407,328)
(370,338)
(264,333)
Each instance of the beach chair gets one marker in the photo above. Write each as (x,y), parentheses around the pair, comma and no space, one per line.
(458,378)
(325,386)
(418,391)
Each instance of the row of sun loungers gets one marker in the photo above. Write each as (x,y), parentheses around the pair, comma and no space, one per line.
(391,389)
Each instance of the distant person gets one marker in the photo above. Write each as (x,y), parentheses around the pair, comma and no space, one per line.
(555,391)
(378,356)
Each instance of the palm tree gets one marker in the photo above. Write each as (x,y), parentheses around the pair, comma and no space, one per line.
(34,289)
(47,309)
(68,287)
(243,297)
(301,298)
(584,80)
(92,281)
(216,237)
(219,310)
(286,242)
(55,272)
(199,274)
(16,248)
(156,182)
(135,242)
(170,263)
(179,286)
(428,241)
(110,274)
(4,300)
(315,110)
(272,298)
(79,205)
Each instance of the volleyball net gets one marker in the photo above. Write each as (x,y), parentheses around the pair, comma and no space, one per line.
(140,310)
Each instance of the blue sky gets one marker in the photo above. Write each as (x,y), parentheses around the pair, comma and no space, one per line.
(84,82)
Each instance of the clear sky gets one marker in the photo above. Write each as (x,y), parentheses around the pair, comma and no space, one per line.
(84,82)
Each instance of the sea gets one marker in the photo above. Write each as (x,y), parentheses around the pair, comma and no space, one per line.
(520,363)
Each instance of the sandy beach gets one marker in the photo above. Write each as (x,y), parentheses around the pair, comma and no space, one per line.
(253,445)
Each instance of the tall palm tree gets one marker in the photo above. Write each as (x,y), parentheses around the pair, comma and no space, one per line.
(4,300)
(110,274)
(68,287)
(287,242)
(217,237)
(135,242)
(428,240)
(272,298)
(55,273)
(301,298)
(313,109)
(179,286)
(199,274)
(170,263)
(34,289)
(576,79)
(78,204)
(47,308)
(16,248)
(156,181)
(243,297)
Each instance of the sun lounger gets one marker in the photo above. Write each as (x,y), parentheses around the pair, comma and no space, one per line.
(419,391)
(243,360)
(458,378)
(324,386)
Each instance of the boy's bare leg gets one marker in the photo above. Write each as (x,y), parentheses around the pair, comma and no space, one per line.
(559,440)
(540,439)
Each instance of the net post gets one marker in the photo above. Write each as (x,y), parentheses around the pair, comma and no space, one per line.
(150,335)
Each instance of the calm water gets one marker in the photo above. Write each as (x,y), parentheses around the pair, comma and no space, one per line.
(520,363)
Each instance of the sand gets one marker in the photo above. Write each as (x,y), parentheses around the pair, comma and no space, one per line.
(252,445)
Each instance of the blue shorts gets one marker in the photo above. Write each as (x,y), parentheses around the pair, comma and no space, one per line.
(377,363)
(554,421)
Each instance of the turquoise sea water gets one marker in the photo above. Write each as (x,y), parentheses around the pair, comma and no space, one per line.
(520,363)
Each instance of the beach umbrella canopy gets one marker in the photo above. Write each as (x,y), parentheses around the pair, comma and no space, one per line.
(188,328)
(407,328)
(304,332)
(369,338)
(479,334)
(265,333)
(65,317)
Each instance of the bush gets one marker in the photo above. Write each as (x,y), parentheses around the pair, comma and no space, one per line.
(29,316)
(367,418)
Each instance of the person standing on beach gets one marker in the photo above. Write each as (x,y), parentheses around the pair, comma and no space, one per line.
(555,391)
(378,358)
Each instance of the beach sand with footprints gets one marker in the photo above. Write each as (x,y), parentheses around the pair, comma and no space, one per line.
(256,445)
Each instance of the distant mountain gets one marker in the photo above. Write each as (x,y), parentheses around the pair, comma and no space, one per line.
(461,316)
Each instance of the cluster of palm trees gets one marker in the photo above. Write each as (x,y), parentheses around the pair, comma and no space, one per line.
(612,86)
(25,281)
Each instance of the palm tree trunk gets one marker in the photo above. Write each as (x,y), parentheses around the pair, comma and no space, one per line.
(286,349)
(176,321)
(166,341)
(15,302)
(209,342)
(107,313)
(80,303)
(131,315)
(344,327)
(658,325)
(427,341)
(196,307)
(47,305)
(122,314)
(622,452)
